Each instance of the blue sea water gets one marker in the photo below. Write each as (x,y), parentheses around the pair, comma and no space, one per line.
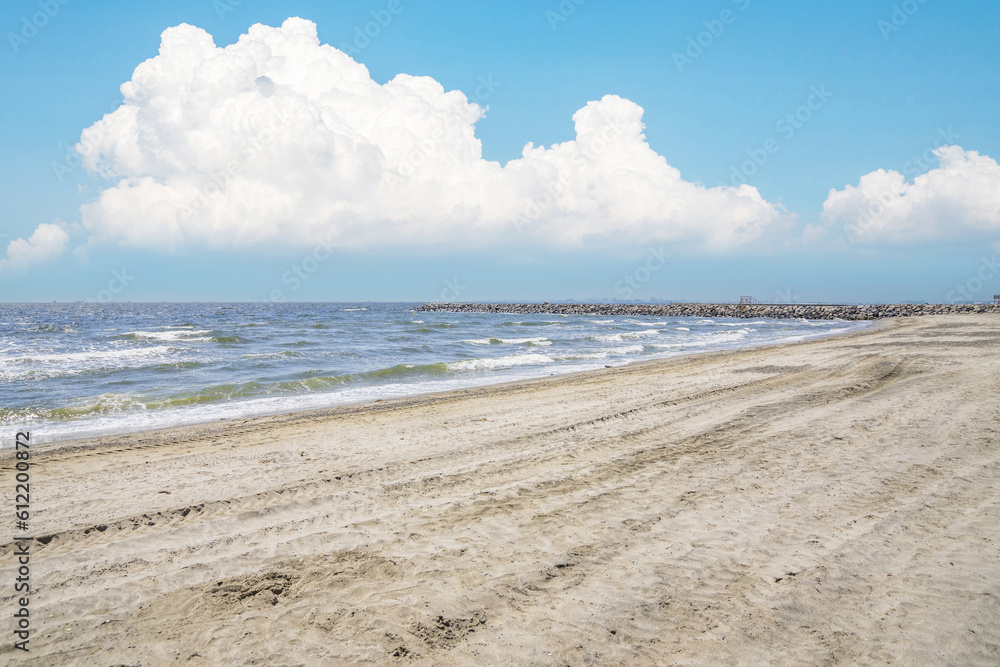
(76,370)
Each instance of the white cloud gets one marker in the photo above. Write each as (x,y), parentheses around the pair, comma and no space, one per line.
(958,200)
(278,139)
(46,243)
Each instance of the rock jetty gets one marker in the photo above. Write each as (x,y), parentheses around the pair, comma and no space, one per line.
(774,311)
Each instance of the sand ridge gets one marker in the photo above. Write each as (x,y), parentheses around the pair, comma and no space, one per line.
(827,502)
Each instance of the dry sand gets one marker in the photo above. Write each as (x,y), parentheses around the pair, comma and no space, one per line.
(833,501)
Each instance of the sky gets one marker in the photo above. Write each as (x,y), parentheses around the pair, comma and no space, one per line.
(243,150)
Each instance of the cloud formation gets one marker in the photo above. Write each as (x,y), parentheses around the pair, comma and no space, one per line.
(278,139)
(46,243)
(959,199)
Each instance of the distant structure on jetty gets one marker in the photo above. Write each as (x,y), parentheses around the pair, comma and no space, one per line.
(744,310)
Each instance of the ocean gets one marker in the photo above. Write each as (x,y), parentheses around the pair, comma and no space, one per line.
(79,370)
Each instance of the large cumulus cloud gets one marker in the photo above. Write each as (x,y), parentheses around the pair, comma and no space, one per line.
(958,200)
(280,139)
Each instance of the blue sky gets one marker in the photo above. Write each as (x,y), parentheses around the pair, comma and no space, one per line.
(898,79)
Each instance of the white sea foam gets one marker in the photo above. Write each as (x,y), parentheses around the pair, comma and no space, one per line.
(726,336)
(285,354)
(186,335)
(629,335)
(538,341)
(583,355)
(19,365)
(501,362)
(115,356)
(626,349)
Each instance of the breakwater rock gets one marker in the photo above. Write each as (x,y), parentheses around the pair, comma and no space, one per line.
(774,311)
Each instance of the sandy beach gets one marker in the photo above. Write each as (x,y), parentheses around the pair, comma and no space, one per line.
(833,501)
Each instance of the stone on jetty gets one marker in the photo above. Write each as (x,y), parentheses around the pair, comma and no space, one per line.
(773,311)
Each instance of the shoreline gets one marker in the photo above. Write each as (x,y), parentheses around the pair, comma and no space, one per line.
(828,500)
(95,440)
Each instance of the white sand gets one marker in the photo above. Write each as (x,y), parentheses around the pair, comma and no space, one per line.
(834,501)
